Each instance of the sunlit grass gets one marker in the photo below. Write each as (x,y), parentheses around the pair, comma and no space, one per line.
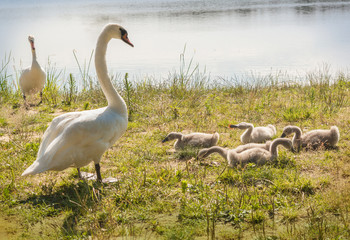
(167,195)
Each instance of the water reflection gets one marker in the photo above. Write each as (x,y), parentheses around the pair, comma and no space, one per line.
(305,9)
(245,11)
(312,8)
(226,37)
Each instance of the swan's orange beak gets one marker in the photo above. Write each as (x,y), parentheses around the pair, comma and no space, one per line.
(126,40)
(32,45)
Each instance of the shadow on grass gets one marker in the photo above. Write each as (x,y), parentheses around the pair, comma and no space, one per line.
(186,154)
(75,198)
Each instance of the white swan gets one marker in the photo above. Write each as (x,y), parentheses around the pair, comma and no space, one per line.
(195,140)
(32,78)
(312,139)
(247,146)
(258,156)
(257,134)
(77,138)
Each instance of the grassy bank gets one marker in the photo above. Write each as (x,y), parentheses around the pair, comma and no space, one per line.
(167,195)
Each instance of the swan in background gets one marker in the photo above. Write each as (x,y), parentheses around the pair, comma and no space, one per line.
(312,139)
(247,146)
(257,134)
(32,79)
(77,138)
(197,140)
(258,156)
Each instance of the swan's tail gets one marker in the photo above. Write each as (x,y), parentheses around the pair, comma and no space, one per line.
(273,128)
(215,138)
(32,169)
(335,135)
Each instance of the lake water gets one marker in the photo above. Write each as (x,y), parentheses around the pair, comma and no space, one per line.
(226,38)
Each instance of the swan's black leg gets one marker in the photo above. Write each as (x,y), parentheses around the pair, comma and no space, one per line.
(25,101)
(41,98)
(98,172)
(79,173)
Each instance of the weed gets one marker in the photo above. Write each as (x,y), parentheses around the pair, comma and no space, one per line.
(5,88)
(129,92)
(84,72)
(162,194)
(51,90)
(70,91)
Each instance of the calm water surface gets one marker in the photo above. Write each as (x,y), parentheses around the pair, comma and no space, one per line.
(226,38)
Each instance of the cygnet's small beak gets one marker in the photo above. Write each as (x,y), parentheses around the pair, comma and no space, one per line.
(232,126)
(293,150)
(283,135)
(165,140)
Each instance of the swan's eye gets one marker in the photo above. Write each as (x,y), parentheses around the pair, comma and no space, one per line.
(123,31)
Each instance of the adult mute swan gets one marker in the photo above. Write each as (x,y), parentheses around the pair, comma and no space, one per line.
(313,139)
(257,134)
(195,140)
(258,156)
(32,78)
(77,138)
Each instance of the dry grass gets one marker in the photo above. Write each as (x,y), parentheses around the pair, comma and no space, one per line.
(163,194)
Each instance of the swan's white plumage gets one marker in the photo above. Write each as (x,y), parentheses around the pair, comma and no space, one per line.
(255,134)
(248,146)
(33,78)
(313,139)
(194,140)
(75,139)
(257,155)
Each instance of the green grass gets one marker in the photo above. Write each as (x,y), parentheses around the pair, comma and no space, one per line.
(167,195)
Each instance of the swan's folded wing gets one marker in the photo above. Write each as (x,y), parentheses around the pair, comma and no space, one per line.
(261,134)
(56,127)
(80,139)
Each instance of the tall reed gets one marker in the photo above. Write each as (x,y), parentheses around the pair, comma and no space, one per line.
(5,88)
(51,91)
(84,70)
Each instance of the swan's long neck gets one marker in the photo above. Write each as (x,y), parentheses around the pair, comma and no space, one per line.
(297,137)
(216,149)
(33,55)
(297,132)
(250,129)
(273,148)
(34,62)
(115,101)
(248,132)
(287,143)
